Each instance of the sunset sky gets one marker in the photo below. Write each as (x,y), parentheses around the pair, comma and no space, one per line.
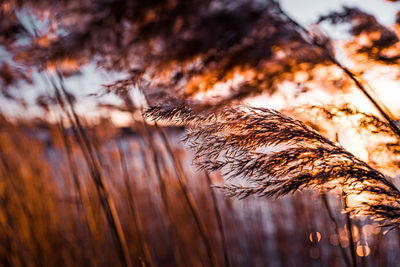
(305,12)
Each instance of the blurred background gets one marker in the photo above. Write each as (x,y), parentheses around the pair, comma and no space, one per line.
(86,180)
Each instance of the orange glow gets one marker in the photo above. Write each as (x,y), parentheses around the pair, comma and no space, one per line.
(67,65)
(43,41)
(51,68)
(315,237)
(369,230)
(46,39)
(363,251)
(210,85)
(6,7)
(343,235)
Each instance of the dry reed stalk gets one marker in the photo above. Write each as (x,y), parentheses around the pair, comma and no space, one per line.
(63,98)
(71,164)
(33,212)
(303,223)
(282,239)
(380,107)
(322,42)
(336,228)
(219,220)
(187,194)
(12,234)
(377,251)
(171,227)
(183,184)
(106,201)
(349,225)
(144,248)
(18,186)
(82,209)
(150,182)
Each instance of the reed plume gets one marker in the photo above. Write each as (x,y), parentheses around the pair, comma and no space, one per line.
(277,155)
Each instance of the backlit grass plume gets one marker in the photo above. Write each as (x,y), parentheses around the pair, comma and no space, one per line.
(276,155)
(369,135)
